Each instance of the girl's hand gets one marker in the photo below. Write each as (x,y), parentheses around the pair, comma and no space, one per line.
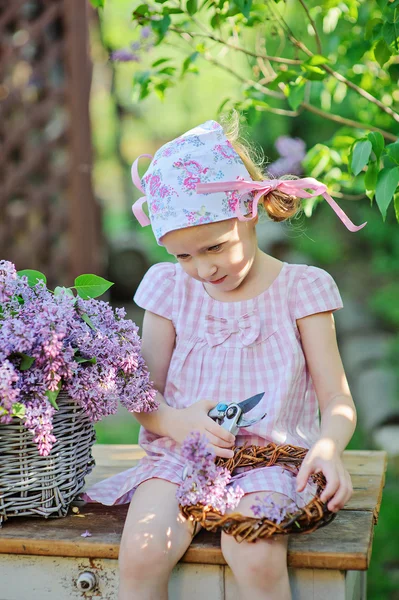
(324,457)
(195,418)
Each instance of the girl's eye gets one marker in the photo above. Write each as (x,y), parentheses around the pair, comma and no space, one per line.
(182,256)
(215,248)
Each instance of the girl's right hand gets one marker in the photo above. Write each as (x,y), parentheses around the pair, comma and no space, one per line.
(184,421)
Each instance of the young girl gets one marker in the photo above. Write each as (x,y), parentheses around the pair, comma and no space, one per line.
(224,323)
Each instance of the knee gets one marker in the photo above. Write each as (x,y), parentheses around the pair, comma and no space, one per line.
(263,562)
(142,556)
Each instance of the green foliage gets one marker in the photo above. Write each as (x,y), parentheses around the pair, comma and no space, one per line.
(337,60)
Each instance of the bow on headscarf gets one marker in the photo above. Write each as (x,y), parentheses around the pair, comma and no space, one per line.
(295,187)
(137,207)
(217,329)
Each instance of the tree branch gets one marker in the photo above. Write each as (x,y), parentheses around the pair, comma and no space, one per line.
(305,105)
(331,71)
(211,36)
(343,121)
(313,24)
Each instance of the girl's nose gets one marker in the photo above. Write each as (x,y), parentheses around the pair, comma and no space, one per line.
(206,270)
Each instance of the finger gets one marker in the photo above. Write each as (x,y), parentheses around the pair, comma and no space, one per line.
(217,441)
(338,500)
(331,487)
(303,476)
(208,403)
(219,431)
(343,494)
(223,452)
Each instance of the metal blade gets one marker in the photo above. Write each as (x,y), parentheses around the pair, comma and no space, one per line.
(248,422)
(250,403)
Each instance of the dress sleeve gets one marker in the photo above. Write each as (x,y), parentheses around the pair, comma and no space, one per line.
(316,292)
(155,292)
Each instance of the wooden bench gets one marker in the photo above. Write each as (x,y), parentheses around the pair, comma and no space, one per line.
(49,559)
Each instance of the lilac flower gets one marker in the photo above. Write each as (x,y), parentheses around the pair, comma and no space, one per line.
(268,509)
(124,55)
(45,344)
(86,534)
(206,483)
(145,32)
(8,392)
(292,152)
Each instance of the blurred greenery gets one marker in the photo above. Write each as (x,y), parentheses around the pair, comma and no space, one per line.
(125,125)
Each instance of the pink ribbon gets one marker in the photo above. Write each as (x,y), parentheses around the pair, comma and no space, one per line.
(137,207)
(295,187)
(247,326)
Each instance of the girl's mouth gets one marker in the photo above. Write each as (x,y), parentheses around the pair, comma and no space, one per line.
(218,280)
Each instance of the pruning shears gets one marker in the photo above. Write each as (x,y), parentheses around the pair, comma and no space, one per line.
(230,416)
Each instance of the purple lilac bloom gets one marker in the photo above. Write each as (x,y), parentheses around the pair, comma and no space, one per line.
(269,509)
(206,483)
(8,392)
(124,55)
(292,152)
(45,344)
(145,32)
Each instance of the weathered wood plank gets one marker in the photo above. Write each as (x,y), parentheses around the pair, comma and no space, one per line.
(344,544)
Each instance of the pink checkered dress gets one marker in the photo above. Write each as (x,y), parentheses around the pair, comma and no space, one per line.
(229,351)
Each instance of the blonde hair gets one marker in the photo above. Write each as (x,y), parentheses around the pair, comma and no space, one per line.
(278,205)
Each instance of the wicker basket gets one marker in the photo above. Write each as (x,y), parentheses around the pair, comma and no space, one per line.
(44,486)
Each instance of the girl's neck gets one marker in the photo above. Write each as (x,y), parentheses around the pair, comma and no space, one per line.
(262,273)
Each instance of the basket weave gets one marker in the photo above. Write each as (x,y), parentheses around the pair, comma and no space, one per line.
(305,520)
(44,486)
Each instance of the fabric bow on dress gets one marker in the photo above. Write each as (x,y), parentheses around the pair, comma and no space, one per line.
(217,329)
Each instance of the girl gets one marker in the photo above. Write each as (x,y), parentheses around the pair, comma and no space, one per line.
(224,323)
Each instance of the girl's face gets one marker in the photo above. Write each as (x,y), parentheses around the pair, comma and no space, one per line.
(217,254)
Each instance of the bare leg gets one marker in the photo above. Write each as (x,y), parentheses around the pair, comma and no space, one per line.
(154,538)
(260,568)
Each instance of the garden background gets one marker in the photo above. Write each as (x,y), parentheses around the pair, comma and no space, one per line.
(153,79)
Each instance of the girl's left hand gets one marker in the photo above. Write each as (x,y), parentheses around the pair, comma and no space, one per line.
(323,456)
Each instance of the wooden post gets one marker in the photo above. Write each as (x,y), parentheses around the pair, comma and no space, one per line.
(85,233)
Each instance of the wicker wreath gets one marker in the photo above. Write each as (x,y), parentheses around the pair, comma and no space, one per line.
(305,520)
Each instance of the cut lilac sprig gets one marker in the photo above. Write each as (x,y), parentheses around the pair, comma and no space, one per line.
(266,508)
(205,482)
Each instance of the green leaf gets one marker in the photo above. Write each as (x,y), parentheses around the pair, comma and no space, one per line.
(187,64)
(52,395)
(378,143)
(80,359)
(26,362)
(97,3)
(382,52)
(393,151)
(370,26)
(161,26)
(33,276)
(390,32)
(244,6)
(387,183)
(192,7)
(317,59)
(370,179)
(313,73)
(18,410)
(283,76)
(160,61)
(142,10)
(87,320)
(296,94)
(361,155)
(396,206)
(91,286)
